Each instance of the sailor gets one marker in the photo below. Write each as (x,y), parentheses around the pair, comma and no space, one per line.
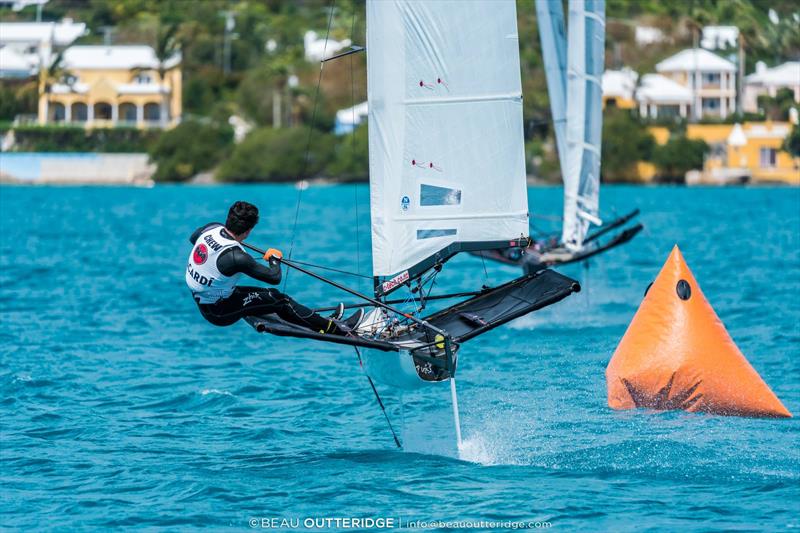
(218,260)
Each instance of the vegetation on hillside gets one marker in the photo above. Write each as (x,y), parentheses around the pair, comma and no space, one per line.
(258,71)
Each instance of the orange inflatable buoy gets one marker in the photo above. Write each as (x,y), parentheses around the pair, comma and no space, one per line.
(677,354)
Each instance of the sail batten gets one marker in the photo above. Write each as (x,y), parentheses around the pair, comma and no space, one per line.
(445,129)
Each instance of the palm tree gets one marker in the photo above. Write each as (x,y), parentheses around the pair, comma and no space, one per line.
(167,49)
(51,73)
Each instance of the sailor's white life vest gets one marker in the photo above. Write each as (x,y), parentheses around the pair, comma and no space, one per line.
(206,282)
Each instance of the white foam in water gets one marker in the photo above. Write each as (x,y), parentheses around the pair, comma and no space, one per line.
(205,392)
(475,450)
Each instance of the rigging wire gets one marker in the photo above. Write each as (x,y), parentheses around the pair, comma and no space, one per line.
(340,271)
(308,141)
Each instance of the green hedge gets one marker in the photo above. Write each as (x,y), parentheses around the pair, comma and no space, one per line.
(77,139)
(625,142)
(678,156)
(190,148)
(268,154)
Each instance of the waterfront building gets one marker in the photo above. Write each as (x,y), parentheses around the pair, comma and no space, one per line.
(710,79)
(107,86)
(25,46)
(661,97)
(746,152)
(768,81)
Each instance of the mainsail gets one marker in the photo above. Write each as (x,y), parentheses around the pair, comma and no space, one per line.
(446,152)
(574,75)
(585,63)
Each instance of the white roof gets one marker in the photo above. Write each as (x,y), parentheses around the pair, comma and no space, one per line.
(715,37)
(63,88)
(737,136)
(63,33)
(786,75)
(317,49)
(767,131)
(345,116)
(11,61)
(695,59)
(122,88)
(659,89)
(140,88)
(114,57)
(619,83)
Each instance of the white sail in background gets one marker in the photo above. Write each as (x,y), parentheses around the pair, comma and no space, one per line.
(553,37)
(446,152)
(585,63)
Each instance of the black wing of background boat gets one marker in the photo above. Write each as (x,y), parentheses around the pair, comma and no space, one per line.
(462,321)
(534,260)
(562,256)
(502,304)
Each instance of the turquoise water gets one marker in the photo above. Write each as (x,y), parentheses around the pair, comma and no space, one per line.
(121,407)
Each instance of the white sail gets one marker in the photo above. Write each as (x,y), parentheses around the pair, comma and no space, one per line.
(446,151)
(585,63)
(553,37)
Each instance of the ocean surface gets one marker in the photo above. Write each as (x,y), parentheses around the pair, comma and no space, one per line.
(120,407)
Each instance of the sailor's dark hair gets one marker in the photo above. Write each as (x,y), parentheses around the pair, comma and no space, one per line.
(242,216)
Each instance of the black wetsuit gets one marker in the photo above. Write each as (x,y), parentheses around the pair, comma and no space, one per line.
(255,301)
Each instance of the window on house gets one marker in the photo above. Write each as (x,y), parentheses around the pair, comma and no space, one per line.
(80,112)
(143,78)
(152,112)
(57,112)
(768,157)
(711,78)
(127,112)
(670,111)
(711,105)
(102,111)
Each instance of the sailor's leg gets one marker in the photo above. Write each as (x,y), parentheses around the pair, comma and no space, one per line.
(292,311)
(258,301)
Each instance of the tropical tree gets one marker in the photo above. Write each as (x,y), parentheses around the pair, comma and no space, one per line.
(678,156)
(51,73)
(167,50)
(791,143)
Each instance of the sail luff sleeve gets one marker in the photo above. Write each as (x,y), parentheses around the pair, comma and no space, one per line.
(447,161)
(553,38)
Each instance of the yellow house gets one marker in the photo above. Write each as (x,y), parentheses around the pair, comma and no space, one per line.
(107,86)
(746,152)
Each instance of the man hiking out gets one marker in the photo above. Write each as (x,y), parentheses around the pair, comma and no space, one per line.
(218,260)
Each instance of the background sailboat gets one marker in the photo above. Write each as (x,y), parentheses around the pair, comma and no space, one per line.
(574,65)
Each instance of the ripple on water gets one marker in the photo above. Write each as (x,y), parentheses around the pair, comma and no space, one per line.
(121,408)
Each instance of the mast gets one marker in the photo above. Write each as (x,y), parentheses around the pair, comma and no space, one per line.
(447,162)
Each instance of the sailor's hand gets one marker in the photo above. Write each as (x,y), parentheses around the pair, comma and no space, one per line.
(273,254)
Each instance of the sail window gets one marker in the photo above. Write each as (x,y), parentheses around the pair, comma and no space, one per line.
(432,195)
(431,233)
